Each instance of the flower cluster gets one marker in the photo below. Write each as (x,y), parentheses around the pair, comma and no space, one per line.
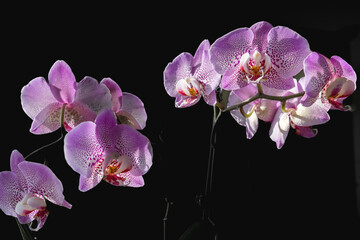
(102,141)
(258,65)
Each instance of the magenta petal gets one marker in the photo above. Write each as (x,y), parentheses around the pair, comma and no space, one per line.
(15,159)
(35,96)
(287,50)
(76,113)
(93,94)
(136,146)
(116,93)
(10,192)
(133,110)
(41,180)
(227,50)
(179,68)
(48,120)
(82,149)
(62,82)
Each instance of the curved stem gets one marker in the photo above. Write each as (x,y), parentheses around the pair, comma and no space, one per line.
(264,96)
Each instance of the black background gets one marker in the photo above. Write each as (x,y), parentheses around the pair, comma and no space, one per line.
(305,189)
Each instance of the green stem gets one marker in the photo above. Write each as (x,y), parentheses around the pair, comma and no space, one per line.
(25,233)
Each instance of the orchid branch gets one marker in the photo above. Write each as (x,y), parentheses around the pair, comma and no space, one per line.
(264,96)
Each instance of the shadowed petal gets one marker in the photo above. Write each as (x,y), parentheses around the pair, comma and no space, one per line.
(62,82)
(116,93)
(133,110)
(48,120)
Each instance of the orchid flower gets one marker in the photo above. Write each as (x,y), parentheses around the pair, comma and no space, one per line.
(332,80)
(62,99)
(259,54)
(187,78)
(298,116)
(248,116)
(104,150)
(128,108)
(24,189)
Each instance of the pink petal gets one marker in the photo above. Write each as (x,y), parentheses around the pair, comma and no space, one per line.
(198,57)
(233,79)
(76,113)
(48,120)
(343,69)
(318,72)
(41,180)
(179,68)
(35,96)
(85,184)
(136,146)
(185,101)
(10,192)
(82,149)
(133,110)
(62,82)
(280,127)
(93,94)
(260,30)
(116,93)
(105,123)
(227,50)
(15,159)
(308,116)
(287,50)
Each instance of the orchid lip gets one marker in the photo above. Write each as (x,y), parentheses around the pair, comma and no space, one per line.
(188,87)
(30,203)
(255,66)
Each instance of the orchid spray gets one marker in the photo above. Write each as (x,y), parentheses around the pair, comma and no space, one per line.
(258,73)
(262,72)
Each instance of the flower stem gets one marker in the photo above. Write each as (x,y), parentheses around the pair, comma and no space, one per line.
(264,96)
(25,233)
(210,166)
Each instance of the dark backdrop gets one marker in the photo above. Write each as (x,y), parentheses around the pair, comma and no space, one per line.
(307,187)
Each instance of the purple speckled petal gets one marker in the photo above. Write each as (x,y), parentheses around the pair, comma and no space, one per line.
(287,50)
(136,146)
(343,69)
(179,68)
(82,149)
(62,82)
(228,49)
(41,180)
(185,101)
(198,57)
(233,79)
(10,192)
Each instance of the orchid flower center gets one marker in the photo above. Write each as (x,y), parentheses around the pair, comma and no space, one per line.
(255,66)
(117,166)
(335,89)
(30,203)
(188,87)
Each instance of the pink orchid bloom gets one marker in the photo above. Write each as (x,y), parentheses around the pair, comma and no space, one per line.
(45,102)
(24,189)
(128,108)
(259,54)
(104,150)
(298,116)
(187,78)
(332,80)
(263,109)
